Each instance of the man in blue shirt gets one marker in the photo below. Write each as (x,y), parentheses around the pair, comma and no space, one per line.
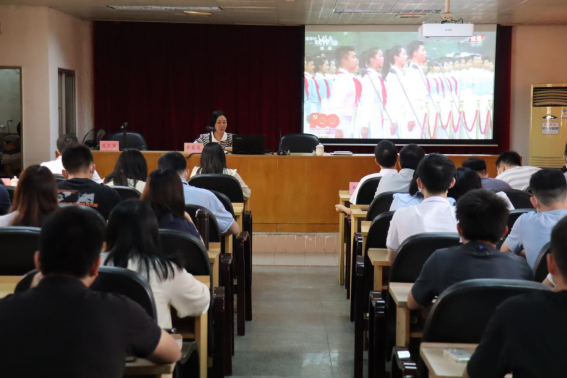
(479,166)
(197,196)
(533,230)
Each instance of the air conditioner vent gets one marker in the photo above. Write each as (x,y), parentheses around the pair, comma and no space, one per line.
(549,96)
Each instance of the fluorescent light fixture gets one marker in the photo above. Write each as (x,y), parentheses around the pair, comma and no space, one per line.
(202,14)
(410,15)
(417,12)
(164,8)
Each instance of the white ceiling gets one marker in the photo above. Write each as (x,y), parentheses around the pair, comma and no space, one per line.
(315,12)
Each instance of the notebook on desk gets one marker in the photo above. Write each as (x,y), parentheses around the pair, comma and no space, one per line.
(248,144)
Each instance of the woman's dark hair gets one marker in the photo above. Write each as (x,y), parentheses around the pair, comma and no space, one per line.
(213,159)
(35,197)
(132,165)
(132,233)
(413,188)
(164,193)
(216,114)
(465,180)
(389,59)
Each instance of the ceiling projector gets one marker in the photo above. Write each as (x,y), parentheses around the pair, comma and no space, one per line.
(445,31)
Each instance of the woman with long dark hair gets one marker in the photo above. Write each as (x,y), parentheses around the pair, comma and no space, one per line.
(35,198)
(217,134)
(131,170)
(213,160)
(133,242)
(164,194)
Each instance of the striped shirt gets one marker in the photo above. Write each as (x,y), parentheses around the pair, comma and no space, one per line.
(518,177)
(226,140)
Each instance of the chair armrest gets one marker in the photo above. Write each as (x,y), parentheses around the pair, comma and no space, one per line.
(402,364)
(244,235)
(358,293)
(187,350)
(219,331)
(376,335)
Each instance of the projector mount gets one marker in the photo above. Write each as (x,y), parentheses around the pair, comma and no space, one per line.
(447,16)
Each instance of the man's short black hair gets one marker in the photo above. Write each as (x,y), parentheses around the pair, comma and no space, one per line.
(76,158)
(386,154)
(559,246)
(476,164)
(342,53)
(549,186)
(71,241)
(410,156)
(172,160)
(482,215)
(66,140)
(436,172)
(413,47)
(509,158)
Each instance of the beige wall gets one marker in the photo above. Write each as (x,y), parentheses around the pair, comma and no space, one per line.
(41,40)
(538,57)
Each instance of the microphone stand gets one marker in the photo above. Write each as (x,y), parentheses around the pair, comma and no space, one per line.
(124,135)
(382,103)
(393,71)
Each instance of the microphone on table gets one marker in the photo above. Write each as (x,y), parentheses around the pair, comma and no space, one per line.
(123,128)
(280,151)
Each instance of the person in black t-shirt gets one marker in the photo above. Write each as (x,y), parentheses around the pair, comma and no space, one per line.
(482,217)
(79,188)
(60,328)
(526,335)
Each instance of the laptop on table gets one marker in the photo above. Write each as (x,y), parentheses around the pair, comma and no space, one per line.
(248,144)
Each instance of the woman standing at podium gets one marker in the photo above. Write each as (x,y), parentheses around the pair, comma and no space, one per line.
(217,134)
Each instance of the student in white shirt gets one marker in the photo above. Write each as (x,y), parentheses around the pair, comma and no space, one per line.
(371,118)
(418,92)
(435,176)
(130,170)
(56,166)
(397,104)
(324,89)
(410,156)
(510,169)
(133,242)
(346,92)
(386,157)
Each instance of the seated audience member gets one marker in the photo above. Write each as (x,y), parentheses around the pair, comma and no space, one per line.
(532,230)
(35,198)
(5,202)
(164,194)
(510,170)
(56,166)
(465,181)
(414,197)
(386,157)
(479,166)
(213,160)
(526,334)
(197,196)
(79,188)
(60,328)
(11,156)
(435,176)
(133,242)
(410,156)
(130,170)
(482,217)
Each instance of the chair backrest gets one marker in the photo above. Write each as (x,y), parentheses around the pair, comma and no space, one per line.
(214,230)
(19,244)
(540,266)
(188,250)
(515,214)
(378,231)
(126,192)
(90,210)
(305,143)
(226,184)
(225,201)
(116,281)
(414,252)
(519,198)
(58,177)
(133,141)
(367,190)
(11,191)
(380,204)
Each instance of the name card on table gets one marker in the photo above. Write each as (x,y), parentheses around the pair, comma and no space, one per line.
(6,181)
(109,145)
(196,148)
(352,187)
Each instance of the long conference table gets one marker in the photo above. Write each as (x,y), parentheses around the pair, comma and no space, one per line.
(295,193)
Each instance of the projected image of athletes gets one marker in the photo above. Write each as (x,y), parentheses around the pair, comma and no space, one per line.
(417,90)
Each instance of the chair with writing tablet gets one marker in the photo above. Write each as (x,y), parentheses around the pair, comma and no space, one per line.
(460,315)
(367,190)
(19,244)
(540,266)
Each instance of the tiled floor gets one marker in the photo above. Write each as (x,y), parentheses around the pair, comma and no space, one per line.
(301,326)
(295,259)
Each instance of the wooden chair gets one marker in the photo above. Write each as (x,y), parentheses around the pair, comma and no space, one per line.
(19,244)
(540,266)
(367,190)
(460,315)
